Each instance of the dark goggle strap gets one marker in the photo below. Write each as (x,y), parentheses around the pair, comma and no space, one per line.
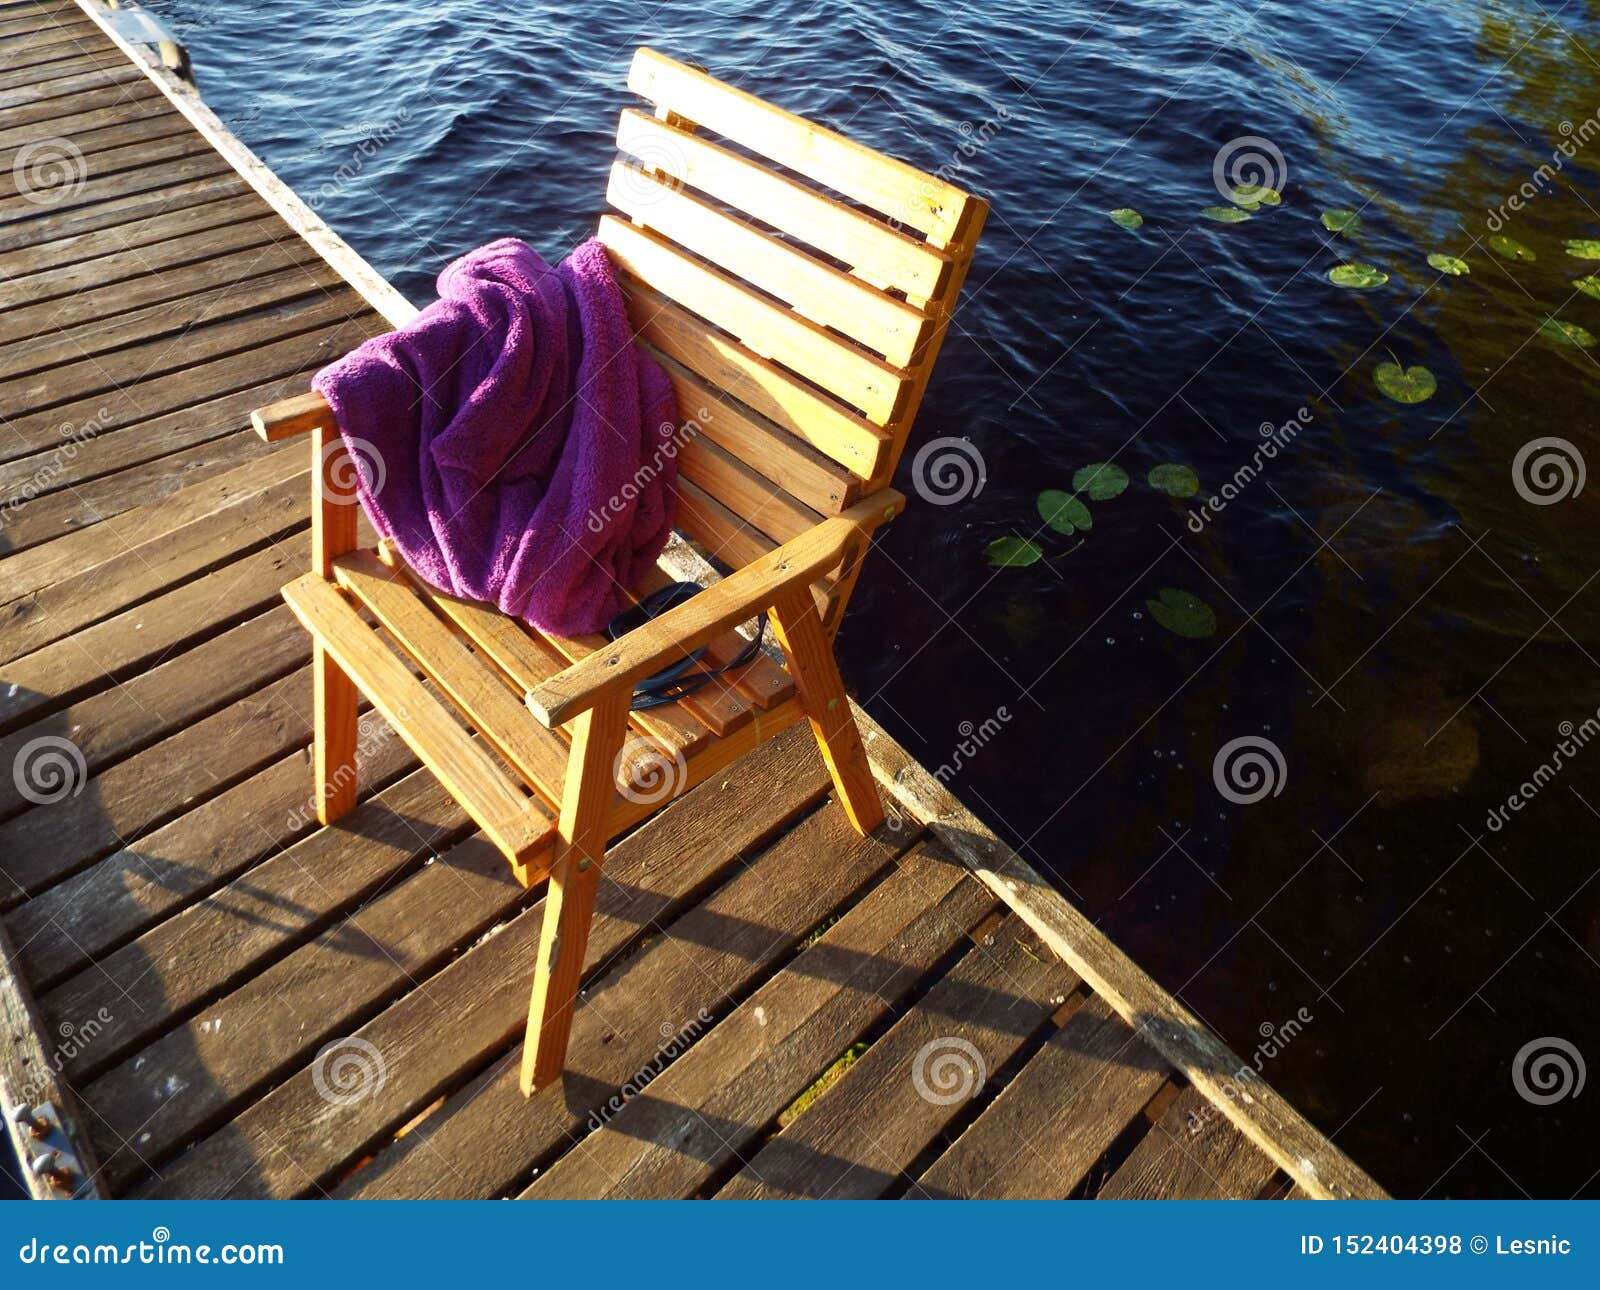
(679,679)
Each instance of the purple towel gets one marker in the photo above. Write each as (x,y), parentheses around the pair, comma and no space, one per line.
(512,440)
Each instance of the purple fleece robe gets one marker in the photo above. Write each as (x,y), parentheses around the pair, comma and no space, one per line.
(512,440)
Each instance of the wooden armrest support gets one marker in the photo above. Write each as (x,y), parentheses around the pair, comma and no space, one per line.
(293,416)
(741,595)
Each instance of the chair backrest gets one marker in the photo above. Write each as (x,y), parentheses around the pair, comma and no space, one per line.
(795,285)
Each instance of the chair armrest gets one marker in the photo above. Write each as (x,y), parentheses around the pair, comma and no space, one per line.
(741,595)
(293,416)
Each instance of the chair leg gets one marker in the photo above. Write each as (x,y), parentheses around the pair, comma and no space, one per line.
(816,678)
(334,737)
(333,533)
(574,880)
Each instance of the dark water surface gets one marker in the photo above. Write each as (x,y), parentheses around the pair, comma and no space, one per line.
(1405,629)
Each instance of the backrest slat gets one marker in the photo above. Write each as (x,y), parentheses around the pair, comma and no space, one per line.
(910,196)
(826,295)
(796,287)
(856,377)
(879,254)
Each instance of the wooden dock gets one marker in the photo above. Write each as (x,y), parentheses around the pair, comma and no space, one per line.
(223,999)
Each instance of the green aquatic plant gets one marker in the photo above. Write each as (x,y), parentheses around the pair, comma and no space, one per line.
(1126,217)
(1174,480)
(1508,248)
(1342,221)
(1589,284)
(1356,276)
(1405,384)
(1182,613)
(1448,264)
(1100,482)
(1225,214)
(1064,512)
(1565,333)
(1252,197)
(1583,248)
(1012,553)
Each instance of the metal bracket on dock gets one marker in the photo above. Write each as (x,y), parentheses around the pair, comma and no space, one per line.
(141,27)
(45,1152)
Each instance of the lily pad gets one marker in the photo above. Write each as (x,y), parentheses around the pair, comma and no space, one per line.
(1250,196)
(1405,384)
(1566,333)
(1589,285)
(1126,217)
(1508,248)
(1012,553)
(1356,276)
(1182,613)
(1582,248)
(1225,214)
(1064,512)
(1100,482)
(1341,221)
(1175,480)
(1448,264)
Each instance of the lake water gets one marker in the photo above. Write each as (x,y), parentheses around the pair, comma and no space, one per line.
(1405,620)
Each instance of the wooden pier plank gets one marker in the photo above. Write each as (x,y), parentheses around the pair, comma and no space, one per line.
(1055,1117)
(708,1108)
(860,1137)
(1192,1153)
(293,1140)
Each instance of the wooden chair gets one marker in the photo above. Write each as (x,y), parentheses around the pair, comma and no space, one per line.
(796,286)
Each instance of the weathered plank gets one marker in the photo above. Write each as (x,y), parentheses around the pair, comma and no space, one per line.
(118,647)
(860,1137)
(294,1139)
(126,576)
(1192,1153)
(28,1078)
(488,1138)
(1056,1117)
(133,889)
(711,1104)
(125,718)
(51,843)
